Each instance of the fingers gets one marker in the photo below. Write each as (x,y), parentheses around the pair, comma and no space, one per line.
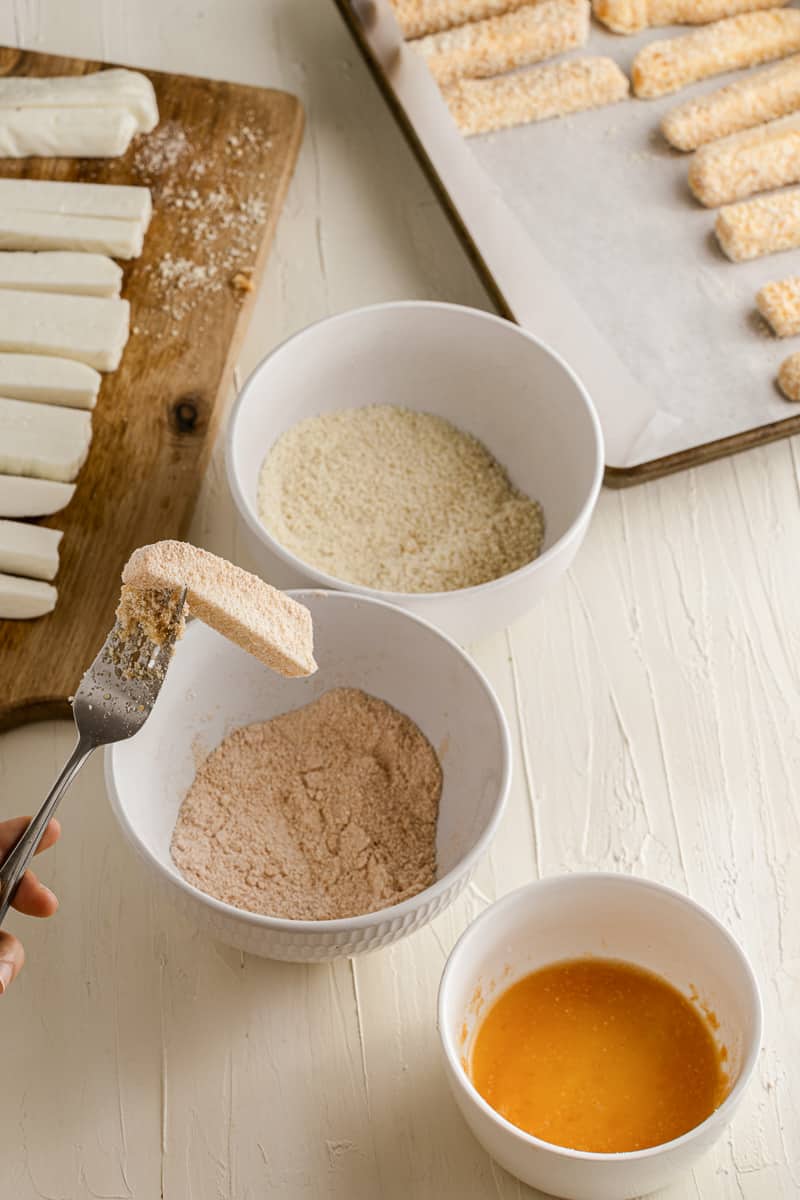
(11,830)
(12,956)
(33,898)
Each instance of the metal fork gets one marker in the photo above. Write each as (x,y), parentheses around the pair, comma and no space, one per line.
(115,698)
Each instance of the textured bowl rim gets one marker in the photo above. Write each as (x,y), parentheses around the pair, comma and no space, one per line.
(364,920)
(719,1116)
(334,582)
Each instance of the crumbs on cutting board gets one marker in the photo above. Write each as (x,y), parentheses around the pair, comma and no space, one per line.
(218,227)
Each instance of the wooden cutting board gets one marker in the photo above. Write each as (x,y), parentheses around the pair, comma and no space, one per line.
(218,166)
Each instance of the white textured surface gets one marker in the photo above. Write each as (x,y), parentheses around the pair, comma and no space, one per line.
(654,694)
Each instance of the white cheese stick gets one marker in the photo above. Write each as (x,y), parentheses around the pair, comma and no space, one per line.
(59,271)
(51,231)
(92,330)
(25,598)
(123,202)
(24,497)
(46,379)
(65,133)
(115,88)
(42,440)
(30,550)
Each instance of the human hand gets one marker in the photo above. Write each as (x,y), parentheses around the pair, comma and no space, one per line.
(32,897)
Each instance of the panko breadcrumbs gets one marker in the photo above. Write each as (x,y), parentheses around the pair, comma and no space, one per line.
(397,500)
(765,225)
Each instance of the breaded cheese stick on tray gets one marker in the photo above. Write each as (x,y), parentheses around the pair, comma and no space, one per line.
(745,41)
(763,96)
(756,160)
(500,44)
(754,228)
(779,305)
(417,18)
(789,377)
(554,90)
(630,16)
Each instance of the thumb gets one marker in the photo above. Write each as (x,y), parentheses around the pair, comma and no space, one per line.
(12,956)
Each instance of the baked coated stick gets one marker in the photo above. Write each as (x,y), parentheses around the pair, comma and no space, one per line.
(417,18)
(779,305)
(629,16)
(672,63)
(756,160)
(502,43)
(763,96)
(754,228)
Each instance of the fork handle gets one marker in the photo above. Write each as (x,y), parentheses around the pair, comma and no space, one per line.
(16,862)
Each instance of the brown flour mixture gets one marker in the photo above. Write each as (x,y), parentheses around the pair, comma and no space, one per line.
(324,812)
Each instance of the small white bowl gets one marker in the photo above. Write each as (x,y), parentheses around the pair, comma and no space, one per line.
(483,374)
(610,916)
(212,687)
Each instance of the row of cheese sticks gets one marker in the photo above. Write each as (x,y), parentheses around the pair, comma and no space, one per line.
(62,322)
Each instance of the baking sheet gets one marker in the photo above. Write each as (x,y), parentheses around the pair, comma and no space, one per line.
(588,228)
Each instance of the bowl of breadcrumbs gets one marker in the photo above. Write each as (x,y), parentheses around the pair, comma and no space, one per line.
(318,816)
(434,456)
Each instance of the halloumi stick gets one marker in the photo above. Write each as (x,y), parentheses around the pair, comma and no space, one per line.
(65,132)
(46,379)
(30,550)
(417,18)
(263,621)
(117,201)
(43,441)
(25,598)
(90,330)
(789,377)
(779,305)
(759,97)
(113,88)
(629,16)
(762,226)
(756,160)
(21,496)
(553,90)
(51,231)
(59,271)
(672,63)
(502,43)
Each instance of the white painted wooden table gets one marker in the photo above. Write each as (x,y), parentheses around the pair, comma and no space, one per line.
(654,706)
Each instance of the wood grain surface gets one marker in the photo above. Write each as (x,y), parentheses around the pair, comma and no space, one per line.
(218,166)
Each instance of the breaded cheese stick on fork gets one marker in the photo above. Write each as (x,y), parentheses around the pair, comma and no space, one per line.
(756,160)
(630,16)
(553,90)
(779,305)
(500,44)
(789,377)
(417,18)
(758,227)
(759,97)
(672,63)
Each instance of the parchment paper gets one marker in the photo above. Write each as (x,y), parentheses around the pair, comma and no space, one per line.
(589,228)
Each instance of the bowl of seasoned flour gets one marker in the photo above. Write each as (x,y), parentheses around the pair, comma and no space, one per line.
(313,817)
(434,456)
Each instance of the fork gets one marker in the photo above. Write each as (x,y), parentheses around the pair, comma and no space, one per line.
(115,698)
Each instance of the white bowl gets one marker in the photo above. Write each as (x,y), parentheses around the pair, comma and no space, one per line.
(611,916)
(483,374)
(212,687)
